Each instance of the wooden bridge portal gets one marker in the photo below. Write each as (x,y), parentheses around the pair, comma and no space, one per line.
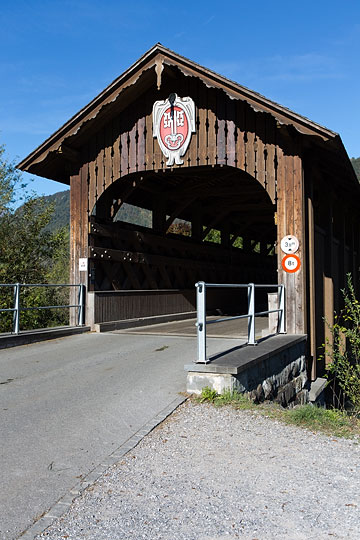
(148,220)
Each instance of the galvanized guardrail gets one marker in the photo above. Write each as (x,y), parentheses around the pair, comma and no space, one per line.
(201,323)
(18,308)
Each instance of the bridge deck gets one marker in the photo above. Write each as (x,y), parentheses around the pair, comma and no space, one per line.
(234,329)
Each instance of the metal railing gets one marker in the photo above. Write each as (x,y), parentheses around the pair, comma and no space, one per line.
(18,308)
(201,323)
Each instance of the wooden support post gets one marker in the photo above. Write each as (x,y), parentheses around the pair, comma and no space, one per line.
(159,214)
(291,221)
(342,277)
(175,214)
(246,244)
(104,204)
(263,248)
(78,231)
(225,235)
(328,277)
(196,221)
(311,263)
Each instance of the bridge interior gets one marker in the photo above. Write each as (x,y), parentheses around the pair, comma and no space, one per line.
(165,231)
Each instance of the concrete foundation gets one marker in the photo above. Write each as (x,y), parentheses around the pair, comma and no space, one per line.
(43,334)
(317,392)
(274,370)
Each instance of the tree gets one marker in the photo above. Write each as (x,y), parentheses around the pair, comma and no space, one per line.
(10,182)
(28,253)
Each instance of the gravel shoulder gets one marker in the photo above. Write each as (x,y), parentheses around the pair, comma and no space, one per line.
(216,473)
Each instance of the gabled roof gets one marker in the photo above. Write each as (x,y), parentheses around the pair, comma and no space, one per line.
(50,157)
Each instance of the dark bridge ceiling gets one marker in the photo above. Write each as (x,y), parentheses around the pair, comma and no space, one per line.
(223,195)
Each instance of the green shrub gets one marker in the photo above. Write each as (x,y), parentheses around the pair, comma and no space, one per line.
(343,371)
(208,394)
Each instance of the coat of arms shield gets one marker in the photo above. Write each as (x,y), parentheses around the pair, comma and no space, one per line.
(173,124)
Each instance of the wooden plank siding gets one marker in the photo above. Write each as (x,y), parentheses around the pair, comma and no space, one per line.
(108,156)
(250,139)
(228,133)
(116,160)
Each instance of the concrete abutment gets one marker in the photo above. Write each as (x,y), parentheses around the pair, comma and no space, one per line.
(273,370)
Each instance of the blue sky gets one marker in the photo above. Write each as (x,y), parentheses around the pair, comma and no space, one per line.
(57,55)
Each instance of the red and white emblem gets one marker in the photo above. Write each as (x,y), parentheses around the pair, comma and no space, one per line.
(173,124)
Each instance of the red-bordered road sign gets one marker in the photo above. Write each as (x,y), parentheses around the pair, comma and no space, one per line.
(291,263)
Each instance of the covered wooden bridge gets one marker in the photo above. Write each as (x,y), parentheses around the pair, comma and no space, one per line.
(178,174)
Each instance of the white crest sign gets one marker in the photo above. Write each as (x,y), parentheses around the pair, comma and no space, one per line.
(173,124)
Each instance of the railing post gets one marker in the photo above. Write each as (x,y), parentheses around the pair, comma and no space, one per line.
(251,312)
(281,327)
(16,317)
(81,311)
(201,321)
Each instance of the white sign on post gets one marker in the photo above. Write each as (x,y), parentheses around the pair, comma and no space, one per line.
(83,264)
(289,244)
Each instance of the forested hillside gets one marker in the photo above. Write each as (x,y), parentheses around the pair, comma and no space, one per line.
(356,164)
(61,213)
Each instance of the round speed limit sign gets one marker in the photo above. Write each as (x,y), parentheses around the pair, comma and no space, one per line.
(291,263)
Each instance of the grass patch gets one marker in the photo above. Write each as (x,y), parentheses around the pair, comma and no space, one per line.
(235,399)
(329,421)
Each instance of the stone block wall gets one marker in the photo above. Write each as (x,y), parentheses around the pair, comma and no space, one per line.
(280,377)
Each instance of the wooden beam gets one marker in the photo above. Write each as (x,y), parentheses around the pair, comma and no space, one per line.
(311,263)
(214,222)
(72,155)
(196,221)
(128,234)
(239,232)
(225,235)
(178,209)
(146,259)
(328,276)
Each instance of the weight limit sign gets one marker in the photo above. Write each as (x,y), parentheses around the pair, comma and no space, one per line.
(291,263)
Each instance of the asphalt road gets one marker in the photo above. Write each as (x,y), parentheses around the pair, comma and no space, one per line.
(68,403)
